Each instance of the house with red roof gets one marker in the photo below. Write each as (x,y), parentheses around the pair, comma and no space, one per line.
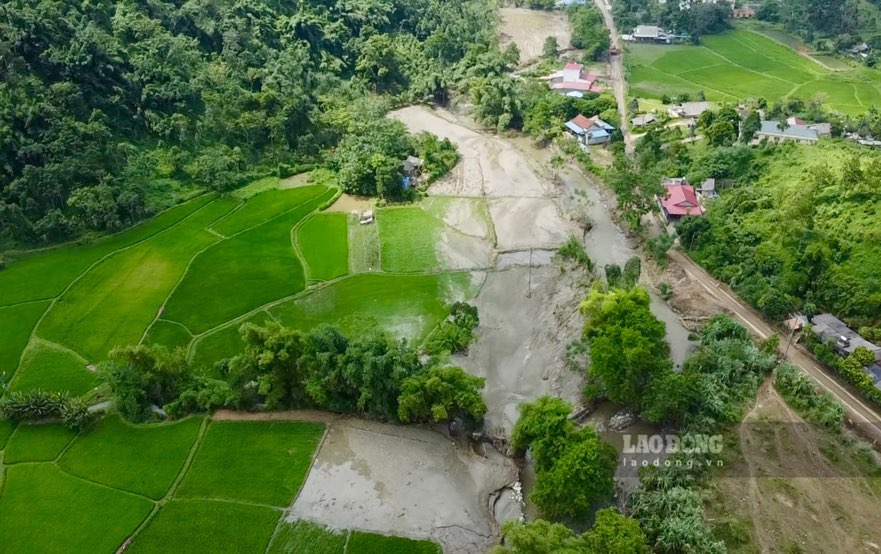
(680,200)
(573,81)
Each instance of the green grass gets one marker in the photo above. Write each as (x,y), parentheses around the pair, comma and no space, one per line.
(369,543)
(364,250)
(243,273)
(115,302)
(44,274)
(44,511)
(225,343)
(17,323)
(407,306)
(259,462)
(6,428)
(48,368)
(741,64)
(408,237)
(169,334)
(201,526)
(303,537)
(323,241)
(265,206)
(143,459)
(257,187)
(37,443)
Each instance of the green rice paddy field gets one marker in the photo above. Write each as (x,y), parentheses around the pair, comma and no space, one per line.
(189,278)
(740,64)
(193,275)
(191,486)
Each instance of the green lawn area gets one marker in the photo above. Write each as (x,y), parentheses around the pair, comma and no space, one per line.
(202,526)
(48,368)
(17,323)
(364,251)
(44,274)
(741,64)
(407,237)
(268,466)
(307,538)
(408,306)
(323,241)
(225,343)
(303,537)
(43,510)
(6,428)
(370,543)
(243,273)
(264,206)
(143,459)
(169,334)
(115,302)
(37,443)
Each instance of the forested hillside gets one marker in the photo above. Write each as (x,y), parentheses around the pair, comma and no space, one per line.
(830,24)
(698,20)
(798,231)
(111,110)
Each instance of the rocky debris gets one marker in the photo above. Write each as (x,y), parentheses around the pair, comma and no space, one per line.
(623,418)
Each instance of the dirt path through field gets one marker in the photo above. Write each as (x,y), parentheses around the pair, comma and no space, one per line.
(616,73)
(799,487)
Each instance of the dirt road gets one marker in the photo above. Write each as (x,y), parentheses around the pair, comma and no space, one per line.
(616,73)
(865,419)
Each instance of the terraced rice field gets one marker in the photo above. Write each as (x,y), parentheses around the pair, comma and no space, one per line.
(190,278)
(741,64)
(198,473)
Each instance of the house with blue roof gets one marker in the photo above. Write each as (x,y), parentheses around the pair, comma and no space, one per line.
(590,130)
(794,130)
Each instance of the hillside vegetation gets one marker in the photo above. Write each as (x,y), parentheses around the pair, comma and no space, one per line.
(803,234)
(110,111)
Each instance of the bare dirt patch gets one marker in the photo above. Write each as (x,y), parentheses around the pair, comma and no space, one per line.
(523,223)
(347,203)
(294,181)
(405,481)
(527,317)
(490,166)
(528,29)
(832,508)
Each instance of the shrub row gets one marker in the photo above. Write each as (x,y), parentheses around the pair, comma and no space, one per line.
(849,368)
(800,393)
(37,404)
(455,333)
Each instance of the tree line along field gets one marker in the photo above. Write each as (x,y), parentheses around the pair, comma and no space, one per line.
(63,492)
(739,64)
(193,275)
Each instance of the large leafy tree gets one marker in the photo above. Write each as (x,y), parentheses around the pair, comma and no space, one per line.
(574,467)
(442,394)
(582,475)
(627,343)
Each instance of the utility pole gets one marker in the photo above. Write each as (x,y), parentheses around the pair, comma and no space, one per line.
(529,282)
(789,343)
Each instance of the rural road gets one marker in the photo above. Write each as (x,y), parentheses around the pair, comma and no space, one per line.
(616,73)
(866,419)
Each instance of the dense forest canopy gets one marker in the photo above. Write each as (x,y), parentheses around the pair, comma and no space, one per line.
(697,20)
(108,109)
(828,24)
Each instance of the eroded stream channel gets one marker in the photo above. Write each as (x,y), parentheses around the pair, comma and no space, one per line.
(416,481)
